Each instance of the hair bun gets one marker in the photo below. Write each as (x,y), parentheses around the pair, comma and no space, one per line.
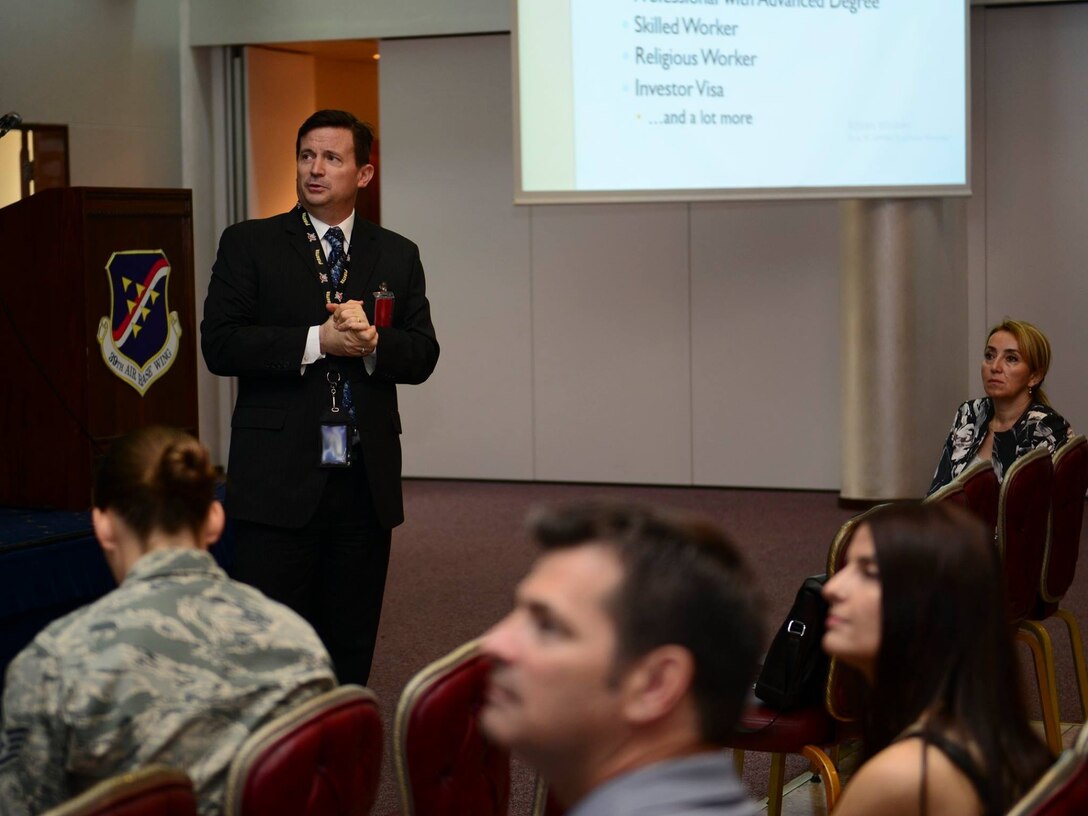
(185,463)
(157,478)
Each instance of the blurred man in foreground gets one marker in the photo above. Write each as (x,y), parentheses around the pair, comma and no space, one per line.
(624,664)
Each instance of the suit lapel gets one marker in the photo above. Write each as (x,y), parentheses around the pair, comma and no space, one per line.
(309,252)
(364,260)
(298,237)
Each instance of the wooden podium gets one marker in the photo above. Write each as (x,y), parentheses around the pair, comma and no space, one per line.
(91,280)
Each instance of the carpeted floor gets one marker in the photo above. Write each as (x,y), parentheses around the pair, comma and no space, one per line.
(458,556)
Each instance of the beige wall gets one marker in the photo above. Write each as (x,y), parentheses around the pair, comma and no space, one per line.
(572,347)
(666,343)
(700,343)
(1036,195)
(108,70)
(224,22)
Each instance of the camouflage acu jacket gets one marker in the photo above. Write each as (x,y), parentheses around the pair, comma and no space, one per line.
(178,665)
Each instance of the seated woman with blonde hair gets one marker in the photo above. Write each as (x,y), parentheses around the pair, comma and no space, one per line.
(178,665)
(918,609)
(1015,416)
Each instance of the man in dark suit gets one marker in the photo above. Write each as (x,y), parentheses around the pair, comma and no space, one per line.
(290,313)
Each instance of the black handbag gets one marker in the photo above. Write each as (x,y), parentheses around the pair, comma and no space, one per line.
(795,669)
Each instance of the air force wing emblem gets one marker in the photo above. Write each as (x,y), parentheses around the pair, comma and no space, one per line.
(139,340)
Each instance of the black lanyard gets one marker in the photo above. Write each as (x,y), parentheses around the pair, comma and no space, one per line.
(333,291)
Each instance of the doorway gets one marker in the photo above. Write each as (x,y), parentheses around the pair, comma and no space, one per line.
(285,83)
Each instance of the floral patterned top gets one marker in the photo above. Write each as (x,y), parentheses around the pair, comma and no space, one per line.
(1038,425)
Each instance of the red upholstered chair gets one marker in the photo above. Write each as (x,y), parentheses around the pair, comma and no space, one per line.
(1063,790)
(804,731)
(320,759)
(1023,518)
(982,492)
(1060,558)
(807,730)
(445,766)
(976,489)
(152,791)
(951,493)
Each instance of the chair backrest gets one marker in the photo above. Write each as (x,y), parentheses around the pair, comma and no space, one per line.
(1023,516)
(1062,790)
(1066,519)
(951,493)
(844,690)
(976,489)
(444,763)
(1080,744)
(322,758)
(982,491)
(155,790)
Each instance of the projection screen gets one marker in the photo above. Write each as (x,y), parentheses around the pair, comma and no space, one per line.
(680,100)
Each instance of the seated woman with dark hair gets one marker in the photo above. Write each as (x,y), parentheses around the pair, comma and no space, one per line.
(178,665)
(918,610)
(1015,415)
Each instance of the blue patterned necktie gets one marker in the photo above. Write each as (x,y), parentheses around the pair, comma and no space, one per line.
(335,237)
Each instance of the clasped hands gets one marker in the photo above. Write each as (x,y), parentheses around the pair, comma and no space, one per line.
(347,332)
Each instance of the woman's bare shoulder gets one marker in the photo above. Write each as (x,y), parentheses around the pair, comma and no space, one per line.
(891,783)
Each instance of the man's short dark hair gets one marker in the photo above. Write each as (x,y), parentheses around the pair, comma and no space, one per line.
(684,583)
(361,133)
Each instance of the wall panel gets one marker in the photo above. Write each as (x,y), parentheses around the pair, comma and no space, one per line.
(447,177)
(765,344)
(497,407)
(239,22)
(108,70)
(1037,178)
(611,344)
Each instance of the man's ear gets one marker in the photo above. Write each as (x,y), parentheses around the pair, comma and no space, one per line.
(366,173)
(213,525)
(104,530)
(657,683)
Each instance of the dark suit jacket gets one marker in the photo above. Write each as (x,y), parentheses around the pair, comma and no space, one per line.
(263,297)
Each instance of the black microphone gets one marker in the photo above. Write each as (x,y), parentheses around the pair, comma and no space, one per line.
(9,121)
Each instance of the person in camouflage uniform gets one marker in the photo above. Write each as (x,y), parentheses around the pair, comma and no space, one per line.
(178,665)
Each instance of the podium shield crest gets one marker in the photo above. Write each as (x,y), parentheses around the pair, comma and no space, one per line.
(139,340)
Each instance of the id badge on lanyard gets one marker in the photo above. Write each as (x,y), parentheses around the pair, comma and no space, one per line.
(335,427)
